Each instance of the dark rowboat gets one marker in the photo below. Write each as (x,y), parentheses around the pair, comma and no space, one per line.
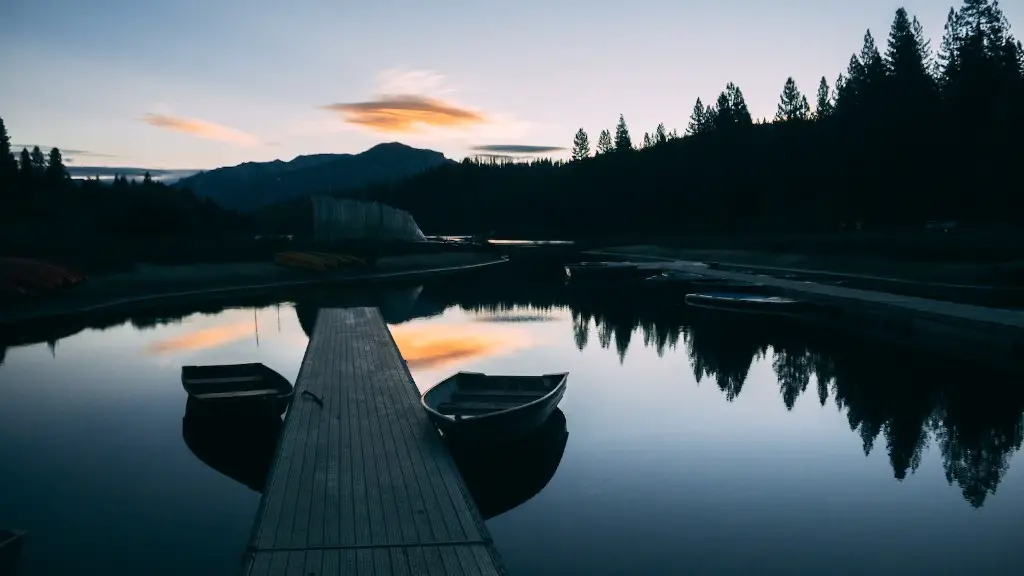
(475,407)
(705,285)
(502,479)
(743,302)
(602,271)
(241,386)
(10,550)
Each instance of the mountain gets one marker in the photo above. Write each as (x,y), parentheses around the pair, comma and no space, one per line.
(253,185)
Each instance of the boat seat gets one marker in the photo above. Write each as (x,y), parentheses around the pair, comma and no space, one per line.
(498,395)
(225,380)
(237,394)
(466,408)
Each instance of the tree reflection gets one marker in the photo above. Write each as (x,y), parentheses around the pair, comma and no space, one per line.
(889,395)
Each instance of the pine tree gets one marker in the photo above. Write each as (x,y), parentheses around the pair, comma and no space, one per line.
(924,46)
(55,170)
(700,122)
(792,104)
(907,61)
(580,145)
(25,163)
(723,117)
(874,68)
(823,107)
(623,143)
(948,61)
(147,180)
(660,135)
(604,142)
(738,104)
(8,164)
(647,140)
(38,160)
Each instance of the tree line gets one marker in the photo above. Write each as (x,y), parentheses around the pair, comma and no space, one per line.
(904,135)
(39,200)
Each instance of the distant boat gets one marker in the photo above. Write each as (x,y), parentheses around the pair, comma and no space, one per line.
(705,285)
(11,542)
(602,271)
(743,302)
(475,407)
(242,386)
(241,448)
(502,479)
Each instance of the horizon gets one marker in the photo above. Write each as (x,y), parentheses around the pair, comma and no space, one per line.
(321,79)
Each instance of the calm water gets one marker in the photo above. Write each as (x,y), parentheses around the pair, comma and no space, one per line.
(696,444)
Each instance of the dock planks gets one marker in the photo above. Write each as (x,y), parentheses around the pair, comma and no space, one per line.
(361,483)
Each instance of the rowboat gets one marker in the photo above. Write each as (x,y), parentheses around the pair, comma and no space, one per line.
(750,303)
(244,386)
(11,542)
(502,479)
(475,407)
(602,271)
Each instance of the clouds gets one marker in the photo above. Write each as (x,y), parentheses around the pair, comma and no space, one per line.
(202,129)
(516,149)
(64,151)
(406,113)
(422,105)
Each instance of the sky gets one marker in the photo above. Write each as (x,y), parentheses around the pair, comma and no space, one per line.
(197,84)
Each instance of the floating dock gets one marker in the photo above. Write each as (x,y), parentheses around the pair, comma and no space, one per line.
(361,483)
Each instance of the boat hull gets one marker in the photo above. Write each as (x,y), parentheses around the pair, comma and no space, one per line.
(503,426)
(747,303)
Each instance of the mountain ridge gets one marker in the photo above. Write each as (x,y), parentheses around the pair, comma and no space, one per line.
(250,186)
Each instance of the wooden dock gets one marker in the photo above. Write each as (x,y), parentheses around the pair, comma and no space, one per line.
(362,483)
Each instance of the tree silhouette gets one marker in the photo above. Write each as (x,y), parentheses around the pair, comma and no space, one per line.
(580,145)
(823,108)
(660,135)
(8,164)
(700,120)
(792,104)
(56,173)
(622,141)
(25,164)
(604,143)
(37,161)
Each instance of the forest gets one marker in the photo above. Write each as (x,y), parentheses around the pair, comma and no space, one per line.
(90,223)
(905,135)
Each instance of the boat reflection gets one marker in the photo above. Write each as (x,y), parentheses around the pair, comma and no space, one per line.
(502,478)
(238,445)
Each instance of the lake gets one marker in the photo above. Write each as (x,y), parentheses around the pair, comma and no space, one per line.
(697,443)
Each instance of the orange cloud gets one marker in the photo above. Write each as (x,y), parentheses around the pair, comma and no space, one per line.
(202,129)
(433,346)
(202,339)
(406,113)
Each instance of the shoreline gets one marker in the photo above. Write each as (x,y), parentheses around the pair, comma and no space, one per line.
(111,292)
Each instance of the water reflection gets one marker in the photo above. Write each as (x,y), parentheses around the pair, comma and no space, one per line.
(901,397)
(502,479)
(240,447)
(893,399)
